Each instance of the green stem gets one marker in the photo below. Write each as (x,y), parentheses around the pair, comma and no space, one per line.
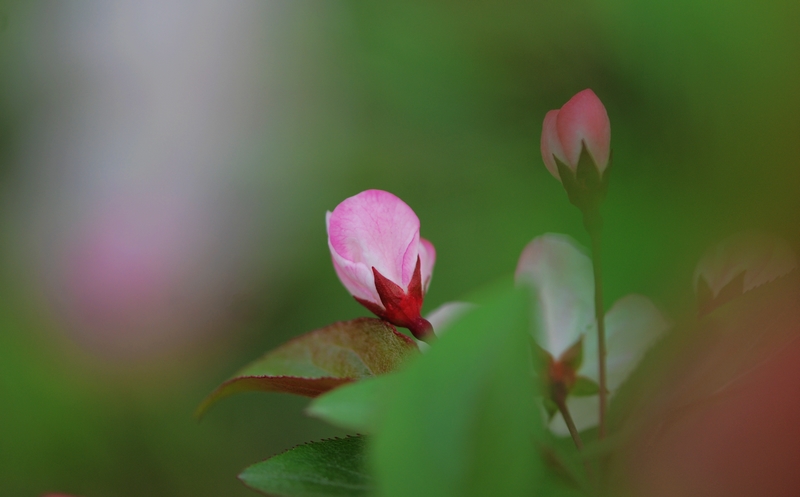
(562,408)
(560,399)
(594,225)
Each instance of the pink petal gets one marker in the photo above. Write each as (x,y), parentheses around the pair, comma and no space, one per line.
(762,257)
(561,274)
(427,257)
(633,325)
(550,144)
(409,264)
(356,277)
(584,120)
(376,229)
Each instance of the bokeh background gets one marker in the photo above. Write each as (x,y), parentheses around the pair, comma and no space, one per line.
(165,168)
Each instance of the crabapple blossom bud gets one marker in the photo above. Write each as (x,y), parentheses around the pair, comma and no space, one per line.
(576,141)
(581,122)
(565,330)
(380,258)
(740,263)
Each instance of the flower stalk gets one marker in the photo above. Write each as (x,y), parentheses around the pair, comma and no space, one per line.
(576,150)
(559,396)
(594,226)
(560,399)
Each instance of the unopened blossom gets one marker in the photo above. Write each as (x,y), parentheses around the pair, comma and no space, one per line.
(560,274)
(381,259)
(581,122)
(740,263)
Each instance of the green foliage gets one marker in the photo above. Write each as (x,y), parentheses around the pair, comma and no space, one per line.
(355,406)
(565,468)
(462,420)
(707,302)
(443,107)
(320,469)
(709,357)
(573,356)
(321,360)
(586,187)
(584,387)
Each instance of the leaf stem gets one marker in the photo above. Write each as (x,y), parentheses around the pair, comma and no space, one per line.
(594,225)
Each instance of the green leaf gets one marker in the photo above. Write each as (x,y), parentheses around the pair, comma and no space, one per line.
(550,407)
(584,387)
(320,469)
(321,360)
(587,173)
(462,420)
(357,406)
(565,468)
(573,356)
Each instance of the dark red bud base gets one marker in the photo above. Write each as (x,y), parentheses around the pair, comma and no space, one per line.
(560,378)
(401,308)
(561,374)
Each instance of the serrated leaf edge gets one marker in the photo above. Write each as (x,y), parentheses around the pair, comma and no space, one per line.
(312,442)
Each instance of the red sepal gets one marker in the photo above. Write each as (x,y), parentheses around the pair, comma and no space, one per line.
(401,308)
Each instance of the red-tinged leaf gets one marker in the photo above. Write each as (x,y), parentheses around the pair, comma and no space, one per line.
(713,355)
(707,302)
(321,360)
(713,411)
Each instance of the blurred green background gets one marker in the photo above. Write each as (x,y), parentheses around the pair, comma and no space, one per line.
(440,103)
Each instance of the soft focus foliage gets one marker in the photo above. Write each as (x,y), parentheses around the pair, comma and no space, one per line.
(482,447)
(321,360)
(211,141)
(739,263)
(713,411)
(357,406)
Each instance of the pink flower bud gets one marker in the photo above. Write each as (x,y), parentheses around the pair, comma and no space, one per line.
(380,258)
(581,121)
